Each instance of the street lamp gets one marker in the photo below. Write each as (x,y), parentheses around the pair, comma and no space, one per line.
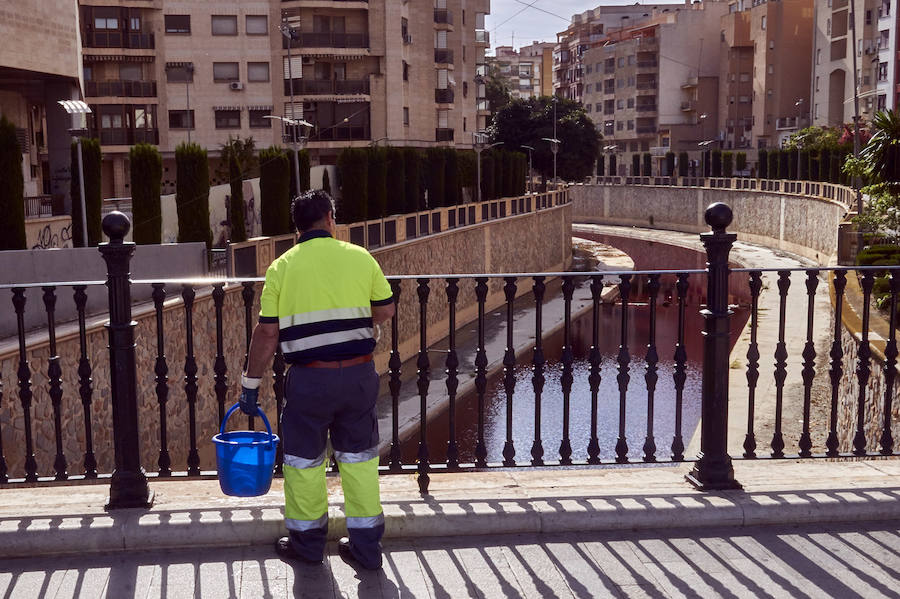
(479,143)
(291,34)
(554,147)
(530,176)
(799,105)
(295,143)
(81,108)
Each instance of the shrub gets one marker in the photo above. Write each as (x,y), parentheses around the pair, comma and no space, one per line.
(707,163)
(275,191)
(774,158)
(412,197)
(601,166)
(612,165)
(395,183)
(805,157)
(683,164)
(670,164)
(487,176)
(763,162)
(434,177)
(377,177)
(717,163)
(647,169)
(451,177)
(146,177)
(521,178)
(740,161)
(727,164)
(91,161)
(498,173)
(353,180)
(12,189)
(793,163)
(784,164)
(467,174)
(510,171)
(635,165)
(825,164)
(192,193)
(236,204)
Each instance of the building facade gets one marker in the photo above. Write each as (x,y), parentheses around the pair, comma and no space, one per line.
(360,72)
(527,71)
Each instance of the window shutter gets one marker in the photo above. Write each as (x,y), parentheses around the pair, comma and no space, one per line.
(294,68)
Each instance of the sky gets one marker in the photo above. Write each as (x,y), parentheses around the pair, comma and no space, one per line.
(520,22)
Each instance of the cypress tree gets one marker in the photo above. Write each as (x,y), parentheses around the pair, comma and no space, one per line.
(377,177)
(91,161)
(192,193)
(670,164)
(805,157)
(451,177)
(792,158)
(412,197)
(12,189)
(717,163)
(635,165)
(466,161)
(728,164)
(487,176)
(396,181)
(601,166)
(763,164)
(683,164)
(236,205)
(304,170)
(774,157)
(326,183)
(353,178)
(146,179)
(498,173)
(274,191)
(741,161)
(647,166)
(784,164)
(435,176)
(825,164)
(612,165)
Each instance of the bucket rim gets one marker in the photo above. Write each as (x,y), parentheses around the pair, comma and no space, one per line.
(266,438)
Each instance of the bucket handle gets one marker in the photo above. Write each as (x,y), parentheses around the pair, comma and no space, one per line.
(258,411)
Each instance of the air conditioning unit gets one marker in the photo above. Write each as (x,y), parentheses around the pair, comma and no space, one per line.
(308,60)
(236,85)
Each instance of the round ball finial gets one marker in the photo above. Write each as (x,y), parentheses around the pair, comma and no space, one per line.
(116,226)
(718,216)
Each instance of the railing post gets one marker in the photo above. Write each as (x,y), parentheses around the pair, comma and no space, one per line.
(128,485)
(713,467)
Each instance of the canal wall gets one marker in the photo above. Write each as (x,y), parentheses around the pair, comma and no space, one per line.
(531,242)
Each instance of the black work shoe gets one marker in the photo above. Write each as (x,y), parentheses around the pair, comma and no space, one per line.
(286,551)
(346,553)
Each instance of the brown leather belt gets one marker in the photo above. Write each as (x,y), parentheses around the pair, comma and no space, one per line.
(338,363)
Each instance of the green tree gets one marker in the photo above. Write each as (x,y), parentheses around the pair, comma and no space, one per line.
(12,189)
(435,174)
(353,178)
(236,203)
(716,162)
(601,166)
(146,178)
(192,193)
(467,174)
(612,165)
(304,170)
(763,164)
(377,177)
(487,176)
(529,122)
(496,92)
(92,161)
(670,164)
(683,164)
(396,181)
(741,161)
(635,165)
(451,177)
(412,198)
(647,167)
(881,153)
(275,192)
(728,164)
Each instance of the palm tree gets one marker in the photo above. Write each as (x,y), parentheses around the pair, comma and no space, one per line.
(881,154)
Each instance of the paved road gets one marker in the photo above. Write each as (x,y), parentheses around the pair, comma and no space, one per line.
(840,560)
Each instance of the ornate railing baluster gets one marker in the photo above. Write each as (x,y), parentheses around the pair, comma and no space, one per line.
(537,371)
(809,362)
(452,378)
(650,377)
(85,383)
(890,373)
(161,369)
(509,372)
(278,368)
(836,367)
(481,290)
(752,363)
(863,368)
(624,359)
(680,374)
(23,374)
(394,364)
(568,358)
(595,359)
(190,379)
(247,294)
(423,365)
(219,367)
(54,374)
(781,355)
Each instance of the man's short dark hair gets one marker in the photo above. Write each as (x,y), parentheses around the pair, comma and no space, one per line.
(310,207)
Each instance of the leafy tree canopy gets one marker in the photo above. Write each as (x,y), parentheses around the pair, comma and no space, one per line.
(496,92)
(244,151)
(815,138)
(528,122)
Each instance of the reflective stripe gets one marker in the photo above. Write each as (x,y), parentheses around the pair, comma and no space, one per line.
(296,461)
(350,457)
(303,525)
(320,315)
(326,339)
(366,522)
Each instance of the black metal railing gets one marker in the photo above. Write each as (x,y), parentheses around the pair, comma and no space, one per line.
(120,89)
(119,39)
(443,16)
(314,87)
(37,206)
(327,39)
(443,96)
(600,408)
(443,134)
(126,136)
(443,56)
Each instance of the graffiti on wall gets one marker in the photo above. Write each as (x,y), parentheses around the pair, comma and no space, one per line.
(49,233)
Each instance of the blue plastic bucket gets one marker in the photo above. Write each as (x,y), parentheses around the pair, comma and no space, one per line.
(245,459)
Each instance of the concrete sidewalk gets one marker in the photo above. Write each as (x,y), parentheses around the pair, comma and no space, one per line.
(192,514)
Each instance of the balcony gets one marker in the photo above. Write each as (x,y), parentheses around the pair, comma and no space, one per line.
(659,150)
(688,107)
(790,122)
(327,39)
(443,16)
(645,108)
(443,96)
(645,129)
(313,87)
(125,136)
(119,39)
(342,132)
(482,106)
(120,89)
(647,64)
(482,37)
(646,85)
(443,56)
(442,134)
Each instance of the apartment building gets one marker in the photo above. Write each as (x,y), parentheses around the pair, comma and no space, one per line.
(527,71)
(361,72)
(39,66)
(875,60)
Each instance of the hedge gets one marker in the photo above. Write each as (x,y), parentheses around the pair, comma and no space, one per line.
(377,177)
(192,193)
(353,180)
(91,161)
(412,198)
(727,164)
(275,191)
(498,173)
(793,160)
(647,169)
(741,161)
(716,162)
(146,179)
(784,164)
(452,191)
(774,157)
(435,177)
(635,165)
(763,164)
(670,164)
(683,164)
(467,174)
(487,176)
(12,189)
(395,184)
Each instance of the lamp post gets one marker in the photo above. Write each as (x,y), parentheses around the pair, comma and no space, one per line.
(291,34)
(799,105)
(295,143)
(530,177)
(81,108)
(479,143)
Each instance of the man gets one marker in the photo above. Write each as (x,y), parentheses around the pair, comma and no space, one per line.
(320,300)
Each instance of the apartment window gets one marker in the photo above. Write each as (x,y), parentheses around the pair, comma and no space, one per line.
(882,71)
(225,71)
(258,120)
(443,79)
(257,25)
(325,24)
(440,39)
(134,23)
(608,128)
(762,23)
(817,84)
(828,26)
(588,88)
(597,67)
(598,107)
(819,56)
(631,82)
(620,125)
(177,23)
(588,69)
(620,104)
(744,77)
(771,44)
(868,17)
(620,83)
(257,71)
(609,106)
(744,99)
(771,69)
(589,108)
(228,119)
(631,59)
(406,115)
(106,18)
(181,119)
(465,89)
(621,61)
(88,73)
(224,24)
(630,102)
(731,99)
(816,113)
(180,73)
(882,102)
(130,71)
(464,53)
(609,65)
(443,119)
(630,125)
(405,71)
